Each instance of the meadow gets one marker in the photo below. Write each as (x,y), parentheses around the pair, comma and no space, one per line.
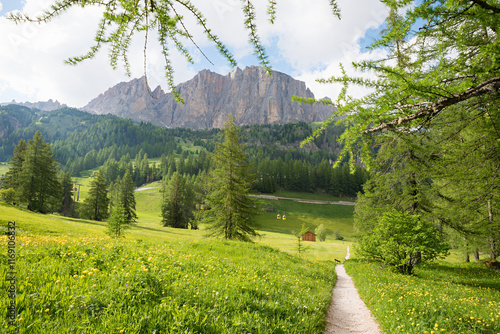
(72,278)
(440,297)
(94,284)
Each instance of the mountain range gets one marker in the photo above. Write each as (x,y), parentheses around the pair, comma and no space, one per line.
(250,95)
(43,105)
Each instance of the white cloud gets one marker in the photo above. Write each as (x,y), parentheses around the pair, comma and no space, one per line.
(306,39)
(1,6)
(332,91)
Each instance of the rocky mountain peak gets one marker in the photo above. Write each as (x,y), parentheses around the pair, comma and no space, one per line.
(250,95)
(41,105)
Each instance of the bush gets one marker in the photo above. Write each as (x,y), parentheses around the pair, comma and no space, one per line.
(402,240)
(8,195)
(320,232)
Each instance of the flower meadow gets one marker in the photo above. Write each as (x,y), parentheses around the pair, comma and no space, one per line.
(439,298)
(99,285)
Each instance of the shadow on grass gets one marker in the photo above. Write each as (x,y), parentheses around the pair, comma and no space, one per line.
(169,231)
(472,275)
(84,221)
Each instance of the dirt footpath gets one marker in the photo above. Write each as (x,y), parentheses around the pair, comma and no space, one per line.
(348,313)
(310,201)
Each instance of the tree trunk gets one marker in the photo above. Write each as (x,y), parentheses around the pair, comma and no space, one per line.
(493,253)
(417,258)
(476,255)
(466,251)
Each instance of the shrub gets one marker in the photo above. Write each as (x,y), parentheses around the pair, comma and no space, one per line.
(8,195)
(402,240)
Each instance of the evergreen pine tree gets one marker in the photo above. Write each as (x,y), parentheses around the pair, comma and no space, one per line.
(67,206)
(118,222)
(231,209)
(38,182)
(127,196)
(178,198)
(13,176)
(96,205)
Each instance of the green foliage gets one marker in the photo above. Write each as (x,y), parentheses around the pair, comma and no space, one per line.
(96,205)
(429,128)
(81,141)
(300,246)
(320,232)
(39,185)
(127,197)
(73,284)
(118,222)
(178,202)
(68,205)
(231,210)
(8,195)
(401,240)
(447,298)
(33,174)
(13,176)
(451,61)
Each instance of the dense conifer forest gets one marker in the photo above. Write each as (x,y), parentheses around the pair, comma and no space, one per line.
(81,141)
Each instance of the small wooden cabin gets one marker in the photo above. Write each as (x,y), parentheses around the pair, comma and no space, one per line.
(309,236)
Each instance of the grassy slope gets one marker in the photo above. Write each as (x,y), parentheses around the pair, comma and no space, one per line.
(439,298)
(279,292)
(3,168)
(276,233)
(93,284)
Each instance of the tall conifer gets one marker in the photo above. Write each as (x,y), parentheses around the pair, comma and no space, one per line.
(96,205)
(231,209)
(38,182)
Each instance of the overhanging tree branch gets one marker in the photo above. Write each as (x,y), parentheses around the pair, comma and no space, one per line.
(431,109)
(485,5)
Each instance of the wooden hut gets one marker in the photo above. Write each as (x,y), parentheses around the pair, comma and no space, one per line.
(309,236)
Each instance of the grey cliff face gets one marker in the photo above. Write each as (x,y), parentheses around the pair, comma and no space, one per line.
(250,95)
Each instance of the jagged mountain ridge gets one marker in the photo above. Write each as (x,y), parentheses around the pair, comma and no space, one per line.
(49,105)
(250,95)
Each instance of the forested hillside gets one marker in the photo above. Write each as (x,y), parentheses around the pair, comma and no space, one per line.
(81,141)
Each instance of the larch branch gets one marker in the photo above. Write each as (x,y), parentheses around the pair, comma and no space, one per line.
(431,109)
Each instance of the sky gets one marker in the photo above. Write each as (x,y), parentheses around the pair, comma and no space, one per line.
(306,42)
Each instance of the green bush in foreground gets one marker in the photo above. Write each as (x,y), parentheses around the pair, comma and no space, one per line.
(398,237)
(440,298)
(102,285)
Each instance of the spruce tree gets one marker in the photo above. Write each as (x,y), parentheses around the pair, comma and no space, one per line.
(118,222)
(96,205)
(38,183)
(127,197)
(13,176)
(67,205)
(178,197)
(231,210)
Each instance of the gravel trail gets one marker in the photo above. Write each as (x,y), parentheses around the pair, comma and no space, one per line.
(348,314)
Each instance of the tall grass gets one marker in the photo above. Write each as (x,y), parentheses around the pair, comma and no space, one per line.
(97,285)
(439,298)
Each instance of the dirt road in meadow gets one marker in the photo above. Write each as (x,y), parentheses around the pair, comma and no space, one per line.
(300,200)
(348,314)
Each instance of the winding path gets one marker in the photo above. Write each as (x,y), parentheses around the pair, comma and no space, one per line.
(300,200)
(348,314)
